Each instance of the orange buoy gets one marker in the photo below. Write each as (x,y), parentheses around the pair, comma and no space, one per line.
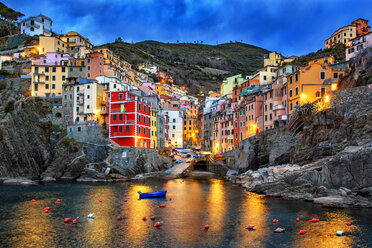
(152,217)
(162,206)
(314,220)
(302,232)
(33,200)
(206,227)
(92,193)
(74,221)
(67,220)
(99,200)
(275,221)
(59,200)
(156,187)
(46,210)
(144,218)
(349,223)
(157,224)
(250,227)
(118,218)
(297,219)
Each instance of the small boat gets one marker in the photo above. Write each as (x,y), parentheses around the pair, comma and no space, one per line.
(153,194)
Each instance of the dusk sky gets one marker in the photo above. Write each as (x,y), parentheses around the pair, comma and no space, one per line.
(292,27)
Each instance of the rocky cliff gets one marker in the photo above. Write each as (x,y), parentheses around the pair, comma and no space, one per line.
(31,147)
(328,160)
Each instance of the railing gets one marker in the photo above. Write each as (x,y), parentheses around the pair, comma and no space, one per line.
(39,81)
(39,73)
(80,102)
(278,107)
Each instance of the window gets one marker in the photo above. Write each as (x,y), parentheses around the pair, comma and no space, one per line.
(88,68)
(47,87)
(322,91)
(53,86)
(335,75)
(120,129)
(290,80)
(322,75)
(63,69)
(271,117)
(351,50)
(114,117)
(139,118)
(120,117)
(88,60)
(127,129)
(139,106)
(54,69)
(290,93)
(296,91)
(46,78)
(46,69)
(120,95)
(174,120)
(174,127)
(63,77)
(139,129)
(88,75)
(88,86)
(264,77)
(291,106)
(296,77)
(88,107)
(53,78)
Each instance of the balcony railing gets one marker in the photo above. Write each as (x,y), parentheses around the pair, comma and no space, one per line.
(39,73)
(279,107)
(38,81)
(80,101)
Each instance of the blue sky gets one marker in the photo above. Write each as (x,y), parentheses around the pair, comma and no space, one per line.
(292,27)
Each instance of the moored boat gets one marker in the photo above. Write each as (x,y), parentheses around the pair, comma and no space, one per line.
(152,194)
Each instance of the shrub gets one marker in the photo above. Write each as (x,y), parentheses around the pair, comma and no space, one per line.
(2,84)
(67,141)
(9,106)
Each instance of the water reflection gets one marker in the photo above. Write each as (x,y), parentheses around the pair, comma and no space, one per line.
(227,210)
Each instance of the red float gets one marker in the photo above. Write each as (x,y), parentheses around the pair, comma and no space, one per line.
(144,218)
(157,224)
(46,210)
(74,221)
(92,193)
(297,219)
(59,200)
(314,220)
(99,200)
(163,185)
(250,227)
(118,218)
(152,217)
(349,223)
(125,200)
(206,227)
(302,232)
(33,200)
(275,221)
(156,187)
(162,206)
(67,220)
(170,198)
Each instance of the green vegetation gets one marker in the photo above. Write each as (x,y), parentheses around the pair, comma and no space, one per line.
(338,52)
(67,141)
(185,61)
(56,128)
(9,106)
(8,20)
(2,85)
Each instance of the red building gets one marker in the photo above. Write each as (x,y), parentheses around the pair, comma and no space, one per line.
(94,65)
(129,120)
(361,26)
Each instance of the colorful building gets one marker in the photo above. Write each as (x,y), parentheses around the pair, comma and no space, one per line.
(129,120)
(79,46)
(48,73)
(174,127)
(52,45)
(229,83)
(357,45)
(37,25)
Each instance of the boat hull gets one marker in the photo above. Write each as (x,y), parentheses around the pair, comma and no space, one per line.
(153,194)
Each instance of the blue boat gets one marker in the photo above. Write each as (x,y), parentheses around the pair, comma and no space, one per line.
(153,194)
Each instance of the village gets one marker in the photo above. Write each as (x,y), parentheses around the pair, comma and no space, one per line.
(142,106)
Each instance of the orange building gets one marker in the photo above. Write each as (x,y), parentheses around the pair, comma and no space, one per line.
(311,83)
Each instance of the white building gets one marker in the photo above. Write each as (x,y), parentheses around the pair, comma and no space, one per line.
(148,68)
(37,25)
(112,84)
(175,127)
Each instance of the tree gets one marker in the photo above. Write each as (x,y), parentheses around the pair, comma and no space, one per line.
(118,40)
(9,17)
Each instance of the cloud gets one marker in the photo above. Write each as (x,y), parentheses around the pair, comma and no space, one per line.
(293,27)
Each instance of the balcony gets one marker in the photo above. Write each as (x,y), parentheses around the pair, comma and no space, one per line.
(279,107)
(80,93)
(282,117)
(80,101)
(39,73)
(38,81)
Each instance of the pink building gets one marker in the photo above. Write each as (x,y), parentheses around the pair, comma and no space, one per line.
(358,44)
(51,59)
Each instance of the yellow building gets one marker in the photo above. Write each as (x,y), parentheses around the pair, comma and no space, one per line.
(275,59)
(311,83)
(79,45)
(154,138)
(266,75)
(52,45)
(190,126)
(229,83)
(342,35)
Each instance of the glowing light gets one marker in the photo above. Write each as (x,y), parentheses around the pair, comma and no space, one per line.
(334,86)
(326,99)
(96,111)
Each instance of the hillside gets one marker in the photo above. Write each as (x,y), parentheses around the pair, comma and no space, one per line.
(189,64)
